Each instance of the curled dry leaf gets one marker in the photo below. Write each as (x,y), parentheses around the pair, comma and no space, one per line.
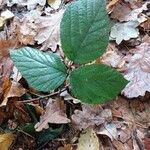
(90,116)
(124,31)
(110,130)
(138,72)
(54,114)
(68,97)
(11,89)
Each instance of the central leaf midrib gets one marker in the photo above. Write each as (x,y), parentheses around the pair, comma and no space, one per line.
(44,64)
(87,30)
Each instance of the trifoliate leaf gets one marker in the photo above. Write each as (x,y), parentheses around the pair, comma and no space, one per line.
(96,83)
(43,71)
(85,30)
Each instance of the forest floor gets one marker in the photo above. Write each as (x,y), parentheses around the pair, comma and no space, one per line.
(33,120)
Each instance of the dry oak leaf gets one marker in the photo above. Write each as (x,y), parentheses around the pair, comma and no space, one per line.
(123,12)
(120,11)
(90,116)
(124,31)
(25,28)
(6,140)
(138,72)
(54,114)
(112,57)
(14,89)
(108,129)
(48,29)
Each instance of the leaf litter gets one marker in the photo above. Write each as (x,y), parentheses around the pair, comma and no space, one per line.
(120,124)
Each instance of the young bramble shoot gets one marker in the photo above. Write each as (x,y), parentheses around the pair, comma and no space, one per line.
(84,37)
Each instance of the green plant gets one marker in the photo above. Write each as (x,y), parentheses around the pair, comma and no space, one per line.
(84,37)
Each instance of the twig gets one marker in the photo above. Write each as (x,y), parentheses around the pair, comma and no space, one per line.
(45,96)
(36,99)
(138,141)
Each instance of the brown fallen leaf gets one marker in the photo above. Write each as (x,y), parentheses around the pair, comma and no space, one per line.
(138,71)
(90,116)
(66,147)
(112,57)
(48,33)
(111,5)
(108,129)
(120,146)
(120,11)
(11,89)
(6,140)
(123,12)
(54,114)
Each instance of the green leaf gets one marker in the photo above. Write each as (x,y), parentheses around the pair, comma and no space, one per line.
(43,71)
(85,30)
(96,83)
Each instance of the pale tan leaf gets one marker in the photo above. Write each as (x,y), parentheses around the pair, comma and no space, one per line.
(90,116)
(112,57)
(54,114)
(110,130)
(48,29)
(54,3)
(88,140)
(6,140)
(123,12)
(124,31)
(7,14)
(138,72)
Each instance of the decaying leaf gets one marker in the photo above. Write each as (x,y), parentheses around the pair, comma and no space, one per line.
(138,72)
(110,130)
(6,140)
(24,28)
(13,89)
(88,140)
(124,31)
(112,58)
(33,27)
(90,116)
(54,114)
(120,11)
(48,33)
(123,12)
